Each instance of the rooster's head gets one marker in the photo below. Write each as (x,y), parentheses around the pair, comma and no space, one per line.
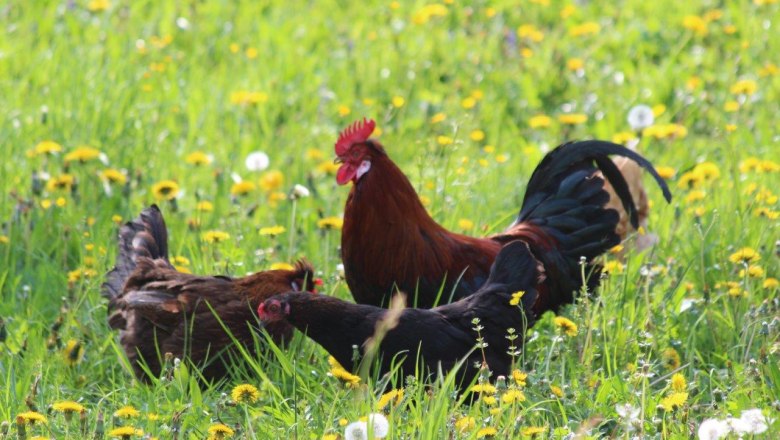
(355,151)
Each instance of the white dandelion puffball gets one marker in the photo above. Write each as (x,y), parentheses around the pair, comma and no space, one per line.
(299,191)
(380,425)
(755,420)
(640,116)
(713,429)
(257,161)
(356,431)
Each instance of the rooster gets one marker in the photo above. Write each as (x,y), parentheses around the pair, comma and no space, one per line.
(160,310)
(389,241)
(443,335)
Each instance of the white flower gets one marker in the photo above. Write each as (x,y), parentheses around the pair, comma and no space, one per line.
(299,191)
(356,431)
(713,429)
(627,411)
(687,303)
(640,116)
(182,23)
(755,420)
(257,161)
(739,426)
(380,425)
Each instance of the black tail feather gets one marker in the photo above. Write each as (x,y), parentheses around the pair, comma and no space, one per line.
(568,158)
(567,201)
(145,236)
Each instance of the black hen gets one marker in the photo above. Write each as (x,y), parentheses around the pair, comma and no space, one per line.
(443,335)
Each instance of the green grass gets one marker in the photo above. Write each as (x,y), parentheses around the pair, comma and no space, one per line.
(146,92)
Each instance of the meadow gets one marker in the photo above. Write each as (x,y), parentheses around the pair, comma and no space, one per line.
(109,106)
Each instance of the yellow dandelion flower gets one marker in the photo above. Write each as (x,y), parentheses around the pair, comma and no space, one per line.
(68,406)
(32,417)
(165,190)
(153,417)
(4,239)
(465,424)
(328,167)
(465,223)
(127,412)
(519,377)
(398,101)
(343,422)
(204,206)
(47,147)
(424,14)
(468,103)
(674,401)
(444,140)
(574,64)
(329,223)
(513,396)
(670,359)
(272,231)
(215,236)
(530,32)
(567,326)
(665,172)
(438,117)
(73,352)
(390,396)
(484,388)
(63,182)
(696,24)
(82,154)
(623,137)
(572,118)
(489,400)
(744,87)
(271,180)
(245,393)
(731,106)
(744,256)
(281,266)
(707,170)
(198,158)
(753,271)
(694,196)
(98,5)
(532,431)
(588,28)
(557,391)
(477,135)
(337,371)
(125,432)
(516,297)
(247,98)
(113,176)
(343,110)
(242,188)
(540,121)
(771,283)
(678,383)
(330,437)
(488,431)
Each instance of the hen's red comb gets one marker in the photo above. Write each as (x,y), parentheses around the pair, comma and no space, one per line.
(359,131)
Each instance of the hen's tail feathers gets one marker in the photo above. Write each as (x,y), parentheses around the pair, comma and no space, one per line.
(145,236)
(567,202)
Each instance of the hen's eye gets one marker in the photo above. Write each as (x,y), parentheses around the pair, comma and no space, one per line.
(273,308)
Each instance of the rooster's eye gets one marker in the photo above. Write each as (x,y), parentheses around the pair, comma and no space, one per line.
(355,154)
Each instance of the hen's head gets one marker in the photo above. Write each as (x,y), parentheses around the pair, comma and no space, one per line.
(355,151)
(274,309)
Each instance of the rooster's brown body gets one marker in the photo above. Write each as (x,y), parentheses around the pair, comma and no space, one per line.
(389,241)
(160,310)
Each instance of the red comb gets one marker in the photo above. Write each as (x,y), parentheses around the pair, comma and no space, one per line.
(359,131)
